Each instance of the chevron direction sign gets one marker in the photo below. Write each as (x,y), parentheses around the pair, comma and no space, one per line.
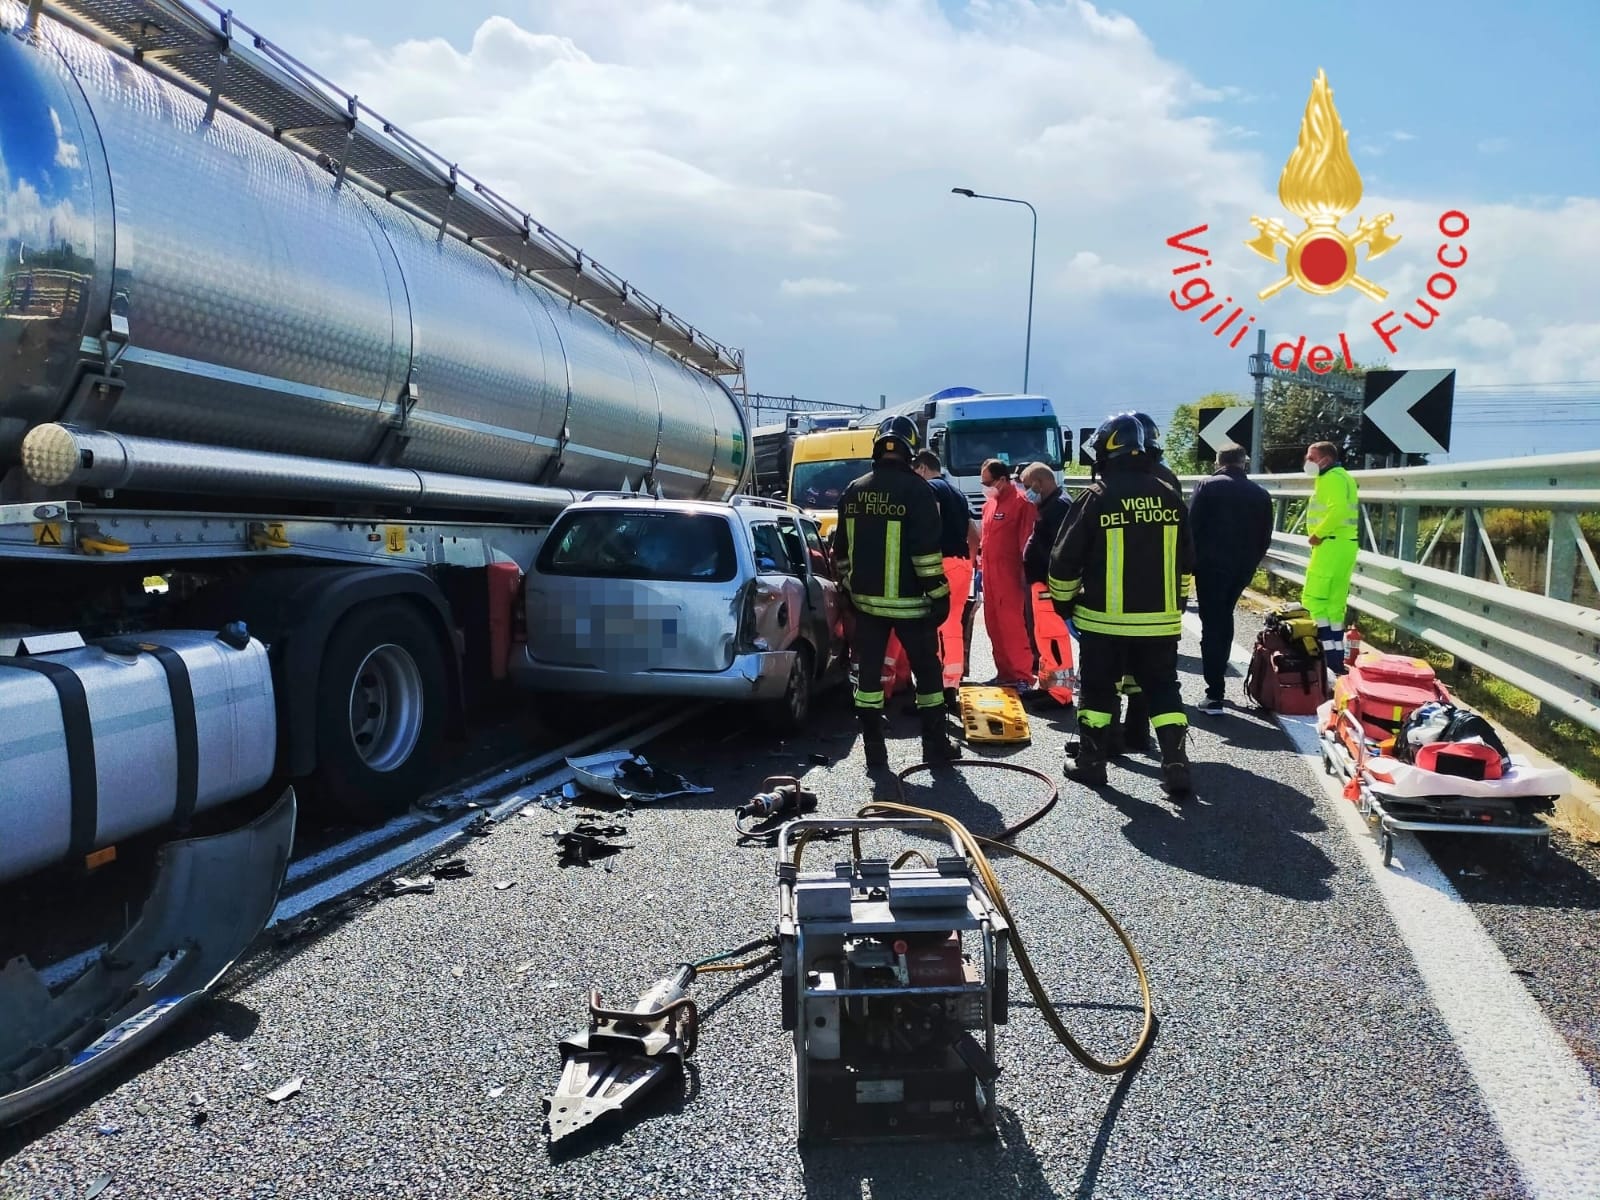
(1221,425)
(1407,412)
(1086,447)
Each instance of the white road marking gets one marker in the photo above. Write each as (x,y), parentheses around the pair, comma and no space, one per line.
(1540,1096)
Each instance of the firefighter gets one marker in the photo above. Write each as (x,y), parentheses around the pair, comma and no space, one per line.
(887,549)
(1333,522)
(1130,734)
(1120,572)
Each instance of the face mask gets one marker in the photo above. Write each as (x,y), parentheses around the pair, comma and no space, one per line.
(988,489)
(1312,468)
(1032,495)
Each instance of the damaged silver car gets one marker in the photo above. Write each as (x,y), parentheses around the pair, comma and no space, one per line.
(632,596)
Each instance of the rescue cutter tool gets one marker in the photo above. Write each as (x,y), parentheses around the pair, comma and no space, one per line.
(608,1067)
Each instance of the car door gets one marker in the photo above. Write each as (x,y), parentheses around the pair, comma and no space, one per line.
(824,611)
(781,602)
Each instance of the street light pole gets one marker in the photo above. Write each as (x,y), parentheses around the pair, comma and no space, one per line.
(1033,259)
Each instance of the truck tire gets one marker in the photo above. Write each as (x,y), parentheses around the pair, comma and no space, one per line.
(380,707)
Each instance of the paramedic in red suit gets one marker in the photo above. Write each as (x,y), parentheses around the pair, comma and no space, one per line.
(1008,519)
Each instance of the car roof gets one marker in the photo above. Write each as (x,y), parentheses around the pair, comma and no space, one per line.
(748,508)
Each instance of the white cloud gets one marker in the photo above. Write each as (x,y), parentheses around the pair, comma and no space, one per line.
(66,152)
(812,286)
(724,155)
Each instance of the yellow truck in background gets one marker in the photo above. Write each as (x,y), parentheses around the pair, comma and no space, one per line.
(822,465)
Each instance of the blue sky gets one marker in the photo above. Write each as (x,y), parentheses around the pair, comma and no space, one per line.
(779,173)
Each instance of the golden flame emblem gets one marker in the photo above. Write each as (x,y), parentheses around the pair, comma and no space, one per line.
(1321,186)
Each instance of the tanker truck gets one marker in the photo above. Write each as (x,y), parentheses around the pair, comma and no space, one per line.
(287,402)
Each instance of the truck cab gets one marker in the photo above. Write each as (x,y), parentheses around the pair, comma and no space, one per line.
(822,465)
(1014,429)
(964,427)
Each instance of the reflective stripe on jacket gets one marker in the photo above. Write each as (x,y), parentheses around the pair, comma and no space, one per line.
(1123,561)
(886,544)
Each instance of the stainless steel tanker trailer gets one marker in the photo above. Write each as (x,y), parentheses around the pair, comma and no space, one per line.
(330,389)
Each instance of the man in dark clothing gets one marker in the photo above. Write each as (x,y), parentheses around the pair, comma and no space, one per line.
(1231,518)
(1053,503)
(958,544)
(1052,642)
(886,547)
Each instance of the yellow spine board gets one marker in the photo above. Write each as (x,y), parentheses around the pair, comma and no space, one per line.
(993,714)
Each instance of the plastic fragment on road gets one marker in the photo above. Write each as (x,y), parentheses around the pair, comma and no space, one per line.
(496,1092)
(98,1186)
(630,778)
(451,868)
(458,972)
(211,898)
(504,884)
(399,885)
(286,1089)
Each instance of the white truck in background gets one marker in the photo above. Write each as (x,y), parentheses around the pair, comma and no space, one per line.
(964,427)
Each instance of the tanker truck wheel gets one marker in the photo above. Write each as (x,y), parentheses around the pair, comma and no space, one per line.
(380,711)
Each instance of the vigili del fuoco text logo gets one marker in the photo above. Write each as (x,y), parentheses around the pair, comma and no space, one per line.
(1321,186)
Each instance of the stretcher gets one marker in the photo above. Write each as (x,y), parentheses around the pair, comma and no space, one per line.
(1397,797)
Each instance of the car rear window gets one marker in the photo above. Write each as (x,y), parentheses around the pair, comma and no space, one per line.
(693,547)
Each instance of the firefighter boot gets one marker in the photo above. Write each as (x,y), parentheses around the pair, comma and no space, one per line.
(1136,726)
(872,743)
(1174,760)
(936,745)
(1090,768)
(1113,734)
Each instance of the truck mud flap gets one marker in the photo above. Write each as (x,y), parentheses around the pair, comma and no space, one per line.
(211,898)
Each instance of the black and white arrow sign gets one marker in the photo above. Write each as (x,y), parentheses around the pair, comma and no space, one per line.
(1086,447)
(1220,427)
(1407,412)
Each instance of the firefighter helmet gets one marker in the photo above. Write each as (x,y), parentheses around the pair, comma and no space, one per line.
(1152,432)
(1118,437)
(896,435)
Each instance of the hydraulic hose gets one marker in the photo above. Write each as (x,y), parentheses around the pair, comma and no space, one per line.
(974,848)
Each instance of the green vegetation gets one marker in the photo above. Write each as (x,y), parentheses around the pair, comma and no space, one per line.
(1296,416)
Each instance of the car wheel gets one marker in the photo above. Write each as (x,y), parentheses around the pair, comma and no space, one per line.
(380,711)
(793,711)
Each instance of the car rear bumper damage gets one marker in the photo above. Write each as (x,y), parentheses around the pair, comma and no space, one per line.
(759,676)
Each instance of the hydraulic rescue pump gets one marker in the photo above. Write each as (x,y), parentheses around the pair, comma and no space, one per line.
(894,977)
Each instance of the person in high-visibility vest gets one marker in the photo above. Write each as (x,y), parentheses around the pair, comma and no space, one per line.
(1333,522)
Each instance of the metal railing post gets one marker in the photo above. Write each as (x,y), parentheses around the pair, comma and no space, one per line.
(1561,556)
(1409,522)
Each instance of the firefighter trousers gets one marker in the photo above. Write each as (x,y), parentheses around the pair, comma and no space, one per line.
(1103,661)
(920,638)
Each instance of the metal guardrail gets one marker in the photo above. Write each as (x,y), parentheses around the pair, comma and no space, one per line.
(1541,642)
